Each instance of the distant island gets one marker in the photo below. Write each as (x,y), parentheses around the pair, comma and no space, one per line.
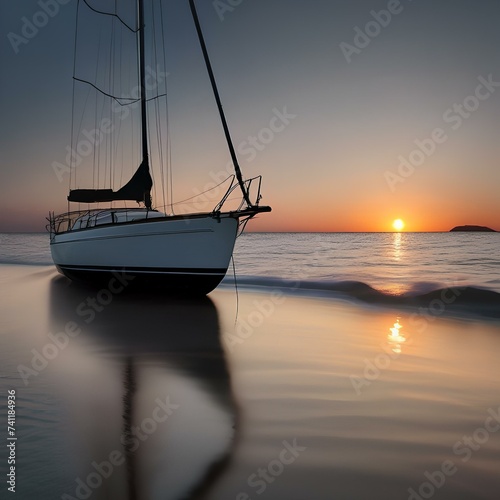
(483,229)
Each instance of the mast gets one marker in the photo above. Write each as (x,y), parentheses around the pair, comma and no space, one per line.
(219,103)
(142,70)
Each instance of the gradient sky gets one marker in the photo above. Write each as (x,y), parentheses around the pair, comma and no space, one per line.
(334,166)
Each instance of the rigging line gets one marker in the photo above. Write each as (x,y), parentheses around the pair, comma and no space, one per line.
(80,127)
(132,145)
(169,170)
(109,142)
(132,100)
(111,14)
(236,289)
(160,151)
(103,150)
(146,115)
(105,145)
(156,97)
(117,99)
(94,152)
(72,159)
(95,115)
(136,147)
(157,113)
(243,225)
(203,192)
(169,167)
(142,86)
(160,159)
(114,142)
(116,133)
(153,62)
(167,121)
(163,157)
(151,169)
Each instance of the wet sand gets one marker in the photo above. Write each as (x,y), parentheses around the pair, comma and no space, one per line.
(132,396)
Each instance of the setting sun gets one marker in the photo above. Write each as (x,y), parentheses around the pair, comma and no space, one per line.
(398,225)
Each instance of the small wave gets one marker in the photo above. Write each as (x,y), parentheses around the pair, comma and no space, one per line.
(462,300)
(20,262)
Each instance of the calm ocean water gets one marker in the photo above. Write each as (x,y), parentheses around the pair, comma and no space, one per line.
(393,263)
(390,262)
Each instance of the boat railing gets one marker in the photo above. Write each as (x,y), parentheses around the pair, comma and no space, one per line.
(88,218)
(63,222)
(248,186)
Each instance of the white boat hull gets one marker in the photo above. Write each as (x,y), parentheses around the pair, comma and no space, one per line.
(182,255)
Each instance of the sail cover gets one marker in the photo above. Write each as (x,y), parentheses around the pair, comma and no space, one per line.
(138,188)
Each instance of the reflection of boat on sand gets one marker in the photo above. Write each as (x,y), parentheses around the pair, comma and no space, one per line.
(139,349)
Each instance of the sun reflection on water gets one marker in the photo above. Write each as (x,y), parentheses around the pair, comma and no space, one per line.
(397,244)
(396,338)
(396,268)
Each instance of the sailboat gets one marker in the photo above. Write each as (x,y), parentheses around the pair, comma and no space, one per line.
(188,253)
